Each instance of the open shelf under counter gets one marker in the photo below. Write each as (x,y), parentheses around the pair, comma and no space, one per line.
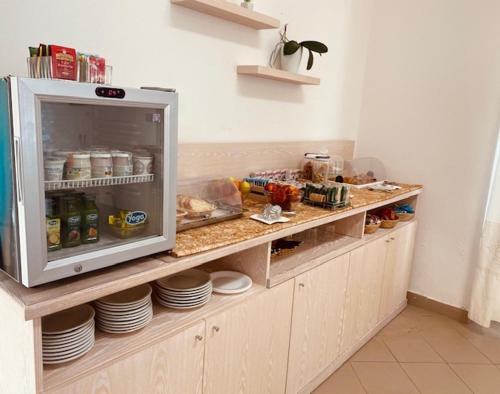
(231,12)
(382,232)
(110,347)
(68,184)
(277,75)
(317,247)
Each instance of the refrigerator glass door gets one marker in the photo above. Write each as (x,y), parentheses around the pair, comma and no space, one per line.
(98,173)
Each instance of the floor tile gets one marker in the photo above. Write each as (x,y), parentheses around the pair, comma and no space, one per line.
(457,350)
(399,326)
(343,381)
(489,346)
(383,378)
(481,379)
(412,348)
(435,378)
(375,350)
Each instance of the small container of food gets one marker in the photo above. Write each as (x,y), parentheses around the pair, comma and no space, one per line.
(122,163)
(372,223)
(143,163)
(78,166)
(54,168)
(102,164)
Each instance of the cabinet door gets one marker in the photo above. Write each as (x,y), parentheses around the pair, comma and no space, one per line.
(174,366)
(397,270)
(318,309)
(247,345)
(364,290)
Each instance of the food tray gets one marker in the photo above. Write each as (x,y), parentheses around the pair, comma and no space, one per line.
(219,214)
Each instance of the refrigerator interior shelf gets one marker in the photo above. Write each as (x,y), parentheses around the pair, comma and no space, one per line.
(95,182)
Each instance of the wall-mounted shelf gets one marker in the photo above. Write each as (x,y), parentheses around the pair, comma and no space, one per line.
(278,75)
(231,12)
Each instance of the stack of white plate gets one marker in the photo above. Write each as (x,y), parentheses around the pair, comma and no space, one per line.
(126,311)
(68,335)
(185,290)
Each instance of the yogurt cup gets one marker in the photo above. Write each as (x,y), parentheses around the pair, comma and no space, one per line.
(54,168)
(102,164)
(122,163)
(143,163)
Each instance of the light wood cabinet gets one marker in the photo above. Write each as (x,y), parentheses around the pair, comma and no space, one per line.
(316,321)
(397,270)
(247,345)
(364,290)
(173,366)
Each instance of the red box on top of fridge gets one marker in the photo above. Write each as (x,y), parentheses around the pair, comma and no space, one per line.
(63,62)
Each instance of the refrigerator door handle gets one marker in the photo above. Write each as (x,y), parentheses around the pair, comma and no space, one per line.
(19,172)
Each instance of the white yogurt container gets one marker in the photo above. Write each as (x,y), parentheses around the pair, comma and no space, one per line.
(122,163)
(143,163)
(54,168)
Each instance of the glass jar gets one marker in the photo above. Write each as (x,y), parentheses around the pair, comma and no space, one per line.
(102,164)
(78,166)
(122,163)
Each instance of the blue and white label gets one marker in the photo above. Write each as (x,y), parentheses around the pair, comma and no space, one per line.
(136,217)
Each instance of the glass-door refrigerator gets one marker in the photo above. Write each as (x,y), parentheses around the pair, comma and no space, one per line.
(88,175)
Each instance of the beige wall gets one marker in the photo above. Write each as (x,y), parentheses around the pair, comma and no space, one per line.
(431,105)
(155,43)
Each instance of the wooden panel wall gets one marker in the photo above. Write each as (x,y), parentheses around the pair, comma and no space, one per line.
(238,159)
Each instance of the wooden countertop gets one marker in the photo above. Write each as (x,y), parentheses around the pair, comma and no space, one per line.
(194,247)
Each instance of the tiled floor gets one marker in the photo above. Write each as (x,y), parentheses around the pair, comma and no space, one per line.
(422,352)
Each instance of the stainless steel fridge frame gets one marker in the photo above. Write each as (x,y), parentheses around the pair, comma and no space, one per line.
(26,96)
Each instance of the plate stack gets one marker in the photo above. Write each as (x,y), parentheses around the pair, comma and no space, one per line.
(230,282)
(126,311)
(185,290)
(68,334)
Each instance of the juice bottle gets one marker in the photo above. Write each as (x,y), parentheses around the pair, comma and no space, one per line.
(71,222)
(53,221)
(90,220)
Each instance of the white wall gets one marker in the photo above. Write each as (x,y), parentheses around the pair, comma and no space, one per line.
(155,43)
(430,111)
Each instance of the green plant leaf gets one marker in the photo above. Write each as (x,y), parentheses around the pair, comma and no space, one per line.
(310,60)
(315,46)
(291,47)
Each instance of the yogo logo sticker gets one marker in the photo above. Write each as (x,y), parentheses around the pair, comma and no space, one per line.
(136,217)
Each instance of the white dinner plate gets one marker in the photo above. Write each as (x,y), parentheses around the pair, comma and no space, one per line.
(132,296)
(184,302)
(230,282)
(68,336)
(190,280)
(206,291)
(123,330)
(119,324)
(177,306)
(62,350)
(69,358)
(68,340)
(124,316)
(121,308)
(67,320)
(184,299)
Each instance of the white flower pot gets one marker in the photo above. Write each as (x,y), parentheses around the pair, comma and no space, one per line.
(292,63)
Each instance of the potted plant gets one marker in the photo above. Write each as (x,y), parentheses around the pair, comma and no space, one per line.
(247,4)
(287,54)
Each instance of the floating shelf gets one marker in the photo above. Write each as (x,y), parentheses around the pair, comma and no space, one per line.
(277,75)
(231,12)
(96,182)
